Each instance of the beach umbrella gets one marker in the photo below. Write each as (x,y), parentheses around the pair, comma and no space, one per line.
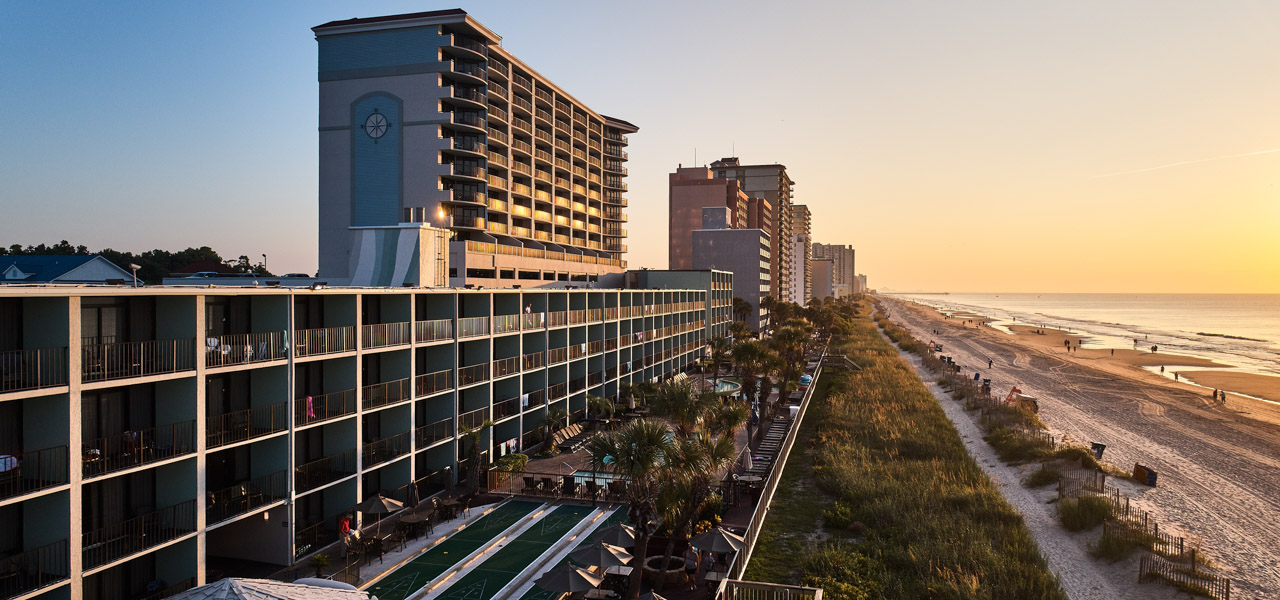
(601,555)
(718,540)
(568,578)
(379,505)
(620,534)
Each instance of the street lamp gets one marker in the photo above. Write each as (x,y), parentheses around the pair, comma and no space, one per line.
(134,268)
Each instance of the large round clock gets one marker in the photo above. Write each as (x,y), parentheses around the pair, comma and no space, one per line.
(376,125)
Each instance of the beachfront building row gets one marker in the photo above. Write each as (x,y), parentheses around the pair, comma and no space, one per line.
(801,253)
(768,184)
(152,439)
(425,118)
(843,275)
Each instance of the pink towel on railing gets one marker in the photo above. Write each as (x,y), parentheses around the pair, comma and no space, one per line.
(311,409)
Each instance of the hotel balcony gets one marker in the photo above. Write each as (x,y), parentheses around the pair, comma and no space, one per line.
(616,183)
(496,182)
(244,348)
(433,433)
(468,121)
(135,448)
(497,205)
(467,46)
(473,419)
(104,359)
(113,542)
(504,367)
(472,97)
(522,103)
(557,355)
(506,409)
(465,221)
(468,145)
(30,570)
(471,72)
(309,410)
(468,170)
(387,393)
(467,196)
(246,496)
(433,383)
(533,360)
(384,450)
(385,335)
(498,136)
(616,152)
(33,369)
(324,471)
(521,124)
(499,68)
(433,331)
(497,113)
(34,470)
(522,81)
(506,324)
(325,340)
(495,89)
(473,374)
(247,424)
(557,391)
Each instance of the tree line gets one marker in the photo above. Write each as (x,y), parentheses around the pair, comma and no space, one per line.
(155,264)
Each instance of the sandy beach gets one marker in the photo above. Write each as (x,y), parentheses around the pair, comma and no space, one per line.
(1219,465)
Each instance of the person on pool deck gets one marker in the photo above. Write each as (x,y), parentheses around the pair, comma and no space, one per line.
(691,567)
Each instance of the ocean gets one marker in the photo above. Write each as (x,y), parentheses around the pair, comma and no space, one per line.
(1236,329)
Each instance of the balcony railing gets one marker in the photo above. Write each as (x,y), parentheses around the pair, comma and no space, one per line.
(33,369)
(431,383)
(242,425)
(577,316)
(246,496)
(473,327)
(469,144)
(383,450)
(473,419)
(382,335)
(506,323)
(533,320)
(473,374)
(506,366)
(312,537)
(326,340)
(244,348)
(104,359)
(433,432)
(316,473)
(33,569)
(533,360)
(433,331)
(506,408)
(119,540)
(558,390)
(133,448)
(557,355)
(316,409)
(387,393)
(558,318)
(33,470)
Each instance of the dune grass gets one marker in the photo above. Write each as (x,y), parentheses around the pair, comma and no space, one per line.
(907,513)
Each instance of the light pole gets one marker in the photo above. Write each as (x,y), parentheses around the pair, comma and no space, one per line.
(134,268)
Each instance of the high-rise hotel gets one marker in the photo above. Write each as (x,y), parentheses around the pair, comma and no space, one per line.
(426,120)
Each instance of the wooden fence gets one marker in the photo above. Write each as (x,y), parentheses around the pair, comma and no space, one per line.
(1186,578)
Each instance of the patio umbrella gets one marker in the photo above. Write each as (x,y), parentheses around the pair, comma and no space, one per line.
(718,540)
(568,578)
(620,534)
(601,555)
(379,505)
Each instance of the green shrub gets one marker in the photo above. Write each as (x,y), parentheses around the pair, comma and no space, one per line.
(1045,475)
(511,463)
(839,516)
(1112,547)
(844,573)
(1084,513)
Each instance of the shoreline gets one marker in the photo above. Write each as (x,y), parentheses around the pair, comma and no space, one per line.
(1205,375)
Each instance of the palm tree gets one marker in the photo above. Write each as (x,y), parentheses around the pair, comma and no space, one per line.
(601,406)
(635,452)
(552,422)
(718,347)
(726,419)
(694,468)
(741,309)
(749,356)
(470,439)
(739,330)
(647,390)
(679,402)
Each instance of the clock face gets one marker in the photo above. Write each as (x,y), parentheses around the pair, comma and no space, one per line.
(376,125)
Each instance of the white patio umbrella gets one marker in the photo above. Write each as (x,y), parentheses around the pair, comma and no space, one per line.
(717,540)
(601,555)
(568,578)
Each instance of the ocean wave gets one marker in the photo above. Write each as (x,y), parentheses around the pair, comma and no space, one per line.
(1230,337)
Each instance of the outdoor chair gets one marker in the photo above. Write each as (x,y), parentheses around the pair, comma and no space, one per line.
(549,486)
(530,485)
(568,487)
(618,489)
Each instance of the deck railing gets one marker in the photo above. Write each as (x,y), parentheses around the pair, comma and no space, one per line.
(34,470)
(327,340)
(533,360)
(33,569)
(118,540)
(506,323)
(506,408)
(433,432)
(311,538)
(316,473)
(133,448)
(383,335)
(383,450)
(558,318)
(533,320)
(557,355)
(104,359)
(241,425)
(473,327)
(431,383)
(33,369)
(506,366)
(390,392)
(734,589)
(314,409)
(244,348)
(246,496)
(473,419)
(473,374)
(433,331)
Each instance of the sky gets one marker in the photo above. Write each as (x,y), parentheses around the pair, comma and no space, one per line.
(1087,146)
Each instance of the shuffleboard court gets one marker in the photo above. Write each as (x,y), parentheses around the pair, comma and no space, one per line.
(537,593)
(420,572)
(490,576)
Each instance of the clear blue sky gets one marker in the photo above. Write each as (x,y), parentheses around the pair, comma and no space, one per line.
(1084,146)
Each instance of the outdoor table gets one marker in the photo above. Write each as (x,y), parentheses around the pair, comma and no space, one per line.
(620,571)
(631,415)
(448,505)
(750,479)
(712,579)
(600,595)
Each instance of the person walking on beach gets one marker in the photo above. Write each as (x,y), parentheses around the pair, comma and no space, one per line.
(1162,369)
(989,363)
(1175,375)
(1113,352)
(1067,343)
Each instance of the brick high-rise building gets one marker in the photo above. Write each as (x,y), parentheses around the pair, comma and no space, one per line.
(689,191)
(771,183)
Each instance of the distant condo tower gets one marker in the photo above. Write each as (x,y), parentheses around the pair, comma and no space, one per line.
(771,184)
(428,125)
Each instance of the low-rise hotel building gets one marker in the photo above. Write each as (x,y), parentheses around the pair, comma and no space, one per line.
(161,435)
